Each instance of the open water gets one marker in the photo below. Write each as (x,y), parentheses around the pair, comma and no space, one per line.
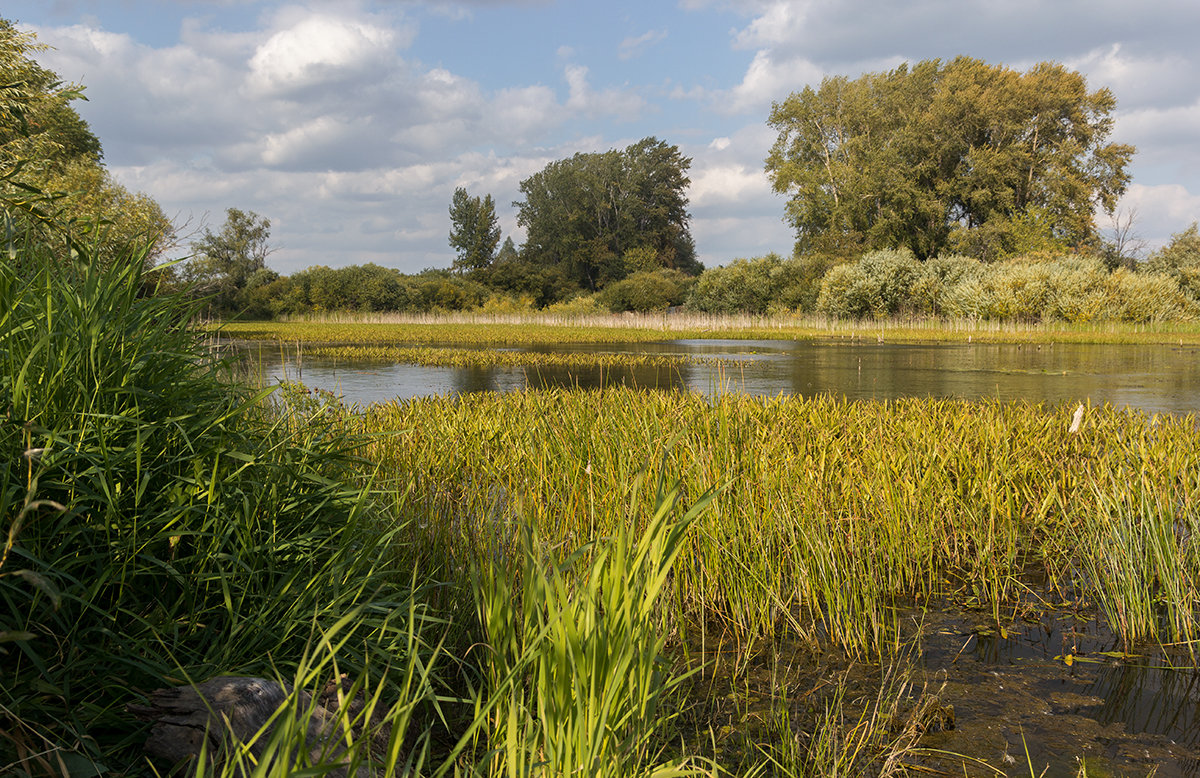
(1156,379)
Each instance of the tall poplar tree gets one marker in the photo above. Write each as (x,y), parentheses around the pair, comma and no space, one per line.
(474,230)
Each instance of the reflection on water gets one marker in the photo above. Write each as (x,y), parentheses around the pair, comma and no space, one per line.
(1152,378)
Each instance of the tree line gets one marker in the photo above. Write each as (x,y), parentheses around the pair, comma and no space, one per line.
(956,164)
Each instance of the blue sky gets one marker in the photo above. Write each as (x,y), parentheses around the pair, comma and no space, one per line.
(349,124)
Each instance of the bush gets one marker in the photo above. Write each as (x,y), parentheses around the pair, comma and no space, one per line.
(646,291)
(881,283)
(743,286)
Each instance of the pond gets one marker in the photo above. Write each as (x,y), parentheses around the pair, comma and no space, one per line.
(1156,379)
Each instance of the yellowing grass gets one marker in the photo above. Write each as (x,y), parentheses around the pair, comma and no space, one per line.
(530,329)
(828,512)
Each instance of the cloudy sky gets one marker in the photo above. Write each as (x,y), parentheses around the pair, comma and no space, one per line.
(349,124)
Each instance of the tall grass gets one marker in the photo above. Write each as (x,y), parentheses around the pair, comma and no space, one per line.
(835,512)
(158,521)
(585,651)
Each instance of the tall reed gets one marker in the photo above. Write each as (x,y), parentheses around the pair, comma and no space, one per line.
(834,512)
(159,522)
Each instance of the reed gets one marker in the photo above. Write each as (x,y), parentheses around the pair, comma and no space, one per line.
(481,357)
(160,521)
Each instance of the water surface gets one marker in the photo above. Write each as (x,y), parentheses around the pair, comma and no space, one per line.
(1156,379)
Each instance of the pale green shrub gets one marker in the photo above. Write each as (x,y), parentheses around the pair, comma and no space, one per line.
(879,284)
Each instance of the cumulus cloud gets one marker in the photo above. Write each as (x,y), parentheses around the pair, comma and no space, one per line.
(769,79)
(318,50)
(1161,211)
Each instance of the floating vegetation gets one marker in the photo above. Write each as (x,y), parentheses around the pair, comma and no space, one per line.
(477,357)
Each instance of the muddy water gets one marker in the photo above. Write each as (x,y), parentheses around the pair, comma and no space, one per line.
(1041,697)
(1062,687)
(1152,378)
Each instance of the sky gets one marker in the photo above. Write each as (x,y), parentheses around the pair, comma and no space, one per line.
(349,124)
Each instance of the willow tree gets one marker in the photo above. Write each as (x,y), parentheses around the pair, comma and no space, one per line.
(52,177)
(962,155)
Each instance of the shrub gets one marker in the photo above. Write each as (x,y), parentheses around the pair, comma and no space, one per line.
(881,283)
(742,286)
(649,290)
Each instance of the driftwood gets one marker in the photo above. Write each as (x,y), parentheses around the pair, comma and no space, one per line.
(225,708)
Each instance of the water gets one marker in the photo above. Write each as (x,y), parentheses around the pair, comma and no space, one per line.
(1061,687)
(1156,379)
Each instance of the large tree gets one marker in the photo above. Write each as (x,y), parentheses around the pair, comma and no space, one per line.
(474,230)
(600,216)
(959,154)
(227,263)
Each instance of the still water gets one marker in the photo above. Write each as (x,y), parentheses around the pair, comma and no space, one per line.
(1155,379)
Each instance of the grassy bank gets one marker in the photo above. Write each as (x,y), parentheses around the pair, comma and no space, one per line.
(534,329)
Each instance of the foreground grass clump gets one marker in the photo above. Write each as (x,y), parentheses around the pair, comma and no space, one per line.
(162,525)
(831,512)
(159,522)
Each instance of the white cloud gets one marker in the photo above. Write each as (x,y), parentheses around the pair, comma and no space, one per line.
(1162,211)
(768,79)
(635,47)
(583,99)
(317,50)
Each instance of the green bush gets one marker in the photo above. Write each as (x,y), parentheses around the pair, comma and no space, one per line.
(760,285)
(645,291)
(881,283)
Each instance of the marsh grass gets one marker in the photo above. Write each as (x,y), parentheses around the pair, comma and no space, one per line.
(835,512)
(577,655)
(159,521)
(477,357)
(545,328)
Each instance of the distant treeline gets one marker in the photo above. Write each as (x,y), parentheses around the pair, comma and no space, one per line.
(1068,287)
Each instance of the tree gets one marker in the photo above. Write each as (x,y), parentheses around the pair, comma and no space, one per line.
(922,156)
(224,262)
(1180,259)
(586,213)
(52,180)
(474,232)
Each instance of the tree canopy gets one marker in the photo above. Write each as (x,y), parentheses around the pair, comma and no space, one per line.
(229,262)
(603,216)
(51,170)
(474,231)
(964,155)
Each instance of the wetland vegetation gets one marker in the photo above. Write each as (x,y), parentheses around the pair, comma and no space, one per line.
(610,582)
